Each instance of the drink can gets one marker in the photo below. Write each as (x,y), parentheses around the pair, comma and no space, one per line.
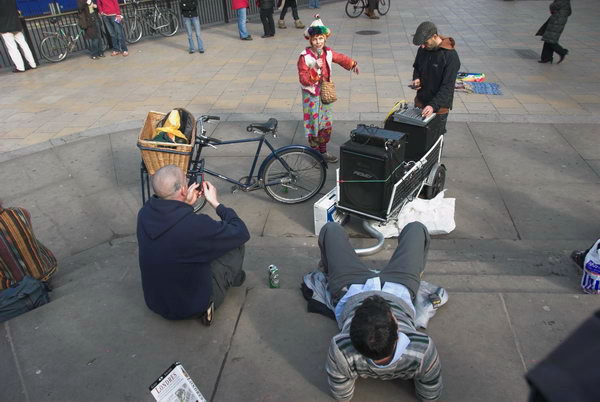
(273,276)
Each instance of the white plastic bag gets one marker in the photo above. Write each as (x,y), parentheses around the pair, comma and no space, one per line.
(590,280)
(436,214)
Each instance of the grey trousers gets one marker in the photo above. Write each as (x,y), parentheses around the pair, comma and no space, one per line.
(226,272)
(344,268)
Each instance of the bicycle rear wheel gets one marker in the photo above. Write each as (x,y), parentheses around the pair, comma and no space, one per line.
(383,7)
(354,8)
(167,23)
(133,31)
(54,48)
(303,177)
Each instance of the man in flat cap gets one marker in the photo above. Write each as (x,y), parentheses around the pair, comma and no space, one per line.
(435,68)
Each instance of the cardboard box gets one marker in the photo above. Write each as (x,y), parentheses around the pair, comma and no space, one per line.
(325,210)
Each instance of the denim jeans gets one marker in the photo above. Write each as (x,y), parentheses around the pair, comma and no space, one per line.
(195,23)
(241,13)
(314,3)
(116,32)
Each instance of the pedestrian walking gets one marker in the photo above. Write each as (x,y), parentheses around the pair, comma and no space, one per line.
(89,21)
(371,7)
(191,20)
(314,68)
(12,35)
(266,16)
(241,6)
(314,3)
(560,10)
(113,19)
(294,6)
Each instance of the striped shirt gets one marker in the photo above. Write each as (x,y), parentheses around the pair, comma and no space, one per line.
(21,253)
(419,361)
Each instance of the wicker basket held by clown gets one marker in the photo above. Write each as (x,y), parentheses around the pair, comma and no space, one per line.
(318,93)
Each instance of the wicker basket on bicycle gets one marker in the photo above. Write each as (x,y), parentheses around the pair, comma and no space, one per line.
(156,154)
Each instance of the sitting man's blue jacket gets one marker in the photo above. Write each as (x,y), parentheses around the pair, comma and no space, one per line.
(176,247)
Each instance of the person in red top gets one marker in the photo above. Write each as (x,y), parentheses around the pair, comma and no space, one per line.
(113,19)
(314,67)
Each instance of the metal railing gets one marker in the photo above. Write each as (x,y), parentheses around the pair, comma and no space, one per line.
(211,12)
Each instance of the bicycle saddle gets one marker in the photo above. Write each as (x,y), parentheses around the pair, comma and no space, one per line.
(266,127)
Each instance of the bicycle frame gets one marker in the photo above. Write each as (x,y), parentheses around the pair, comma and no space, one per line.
(195,169)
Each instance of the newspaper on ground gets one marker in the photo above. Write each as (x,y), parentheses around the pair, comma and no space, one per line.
(175,385)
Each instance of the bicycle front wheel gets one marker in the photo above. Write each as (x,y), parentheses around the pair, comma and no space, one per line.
(133,32)
(383,7)
(293,176)
(167,23)
(54,49)
(354,8)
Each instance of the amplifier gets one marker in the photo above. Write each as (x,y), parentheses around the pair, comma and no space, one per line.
(419,139)
(367,177)
(371,135)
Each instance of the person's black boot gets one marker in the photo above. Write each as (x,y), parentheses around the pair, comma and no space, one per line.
(562,56)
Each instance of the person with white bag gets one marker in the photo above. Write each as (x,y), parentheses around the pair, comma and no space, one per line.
(589,261)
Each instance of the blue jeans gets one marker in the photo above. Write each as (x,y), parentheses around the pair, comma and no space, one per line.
(116,32)
(195,22)
(313,3)
(241,13)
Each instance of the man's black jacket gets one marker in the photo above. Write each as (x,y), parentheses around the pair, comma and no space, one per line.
(176,247)
(437,70)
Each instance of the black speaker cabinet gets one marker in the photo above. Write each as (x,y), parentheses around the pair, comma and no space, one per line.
(418,139)
(367,177)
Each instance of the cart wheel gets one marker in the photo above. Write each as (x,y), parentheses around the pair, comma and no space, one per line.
(438,183)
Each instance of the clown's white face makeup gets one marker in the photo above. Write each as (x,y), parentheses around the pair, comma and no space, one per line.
(317,42)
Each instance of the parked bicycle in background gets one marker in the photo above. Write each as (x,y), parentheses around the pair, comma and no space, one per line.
(157,19)
(354,8)
(56,45)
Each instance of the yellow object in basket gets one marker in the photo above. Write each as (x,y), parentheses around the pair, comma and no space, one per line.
(171,128)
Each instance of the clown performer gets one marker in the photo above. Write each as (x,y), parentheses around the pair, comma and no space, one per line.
(314,67)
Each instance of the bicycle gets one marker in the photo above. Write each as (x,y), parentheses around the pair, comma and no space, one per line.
(56,45)
(291,174)
(354,8)
(160,20)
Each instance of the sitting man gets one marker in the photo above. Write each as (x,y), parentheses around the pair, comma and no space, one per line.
(187,261)
(376,313)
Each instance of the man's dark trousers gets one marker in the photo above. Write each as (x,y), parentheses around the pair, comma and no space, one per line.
(344,268)
(226,272)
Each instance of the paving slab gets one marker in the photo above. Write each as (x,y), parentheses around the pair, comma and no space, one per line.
(268,359)
(541,322)
(128,351)
(565,211)
(462,331)
(530,154)
(583,137)
(480,211)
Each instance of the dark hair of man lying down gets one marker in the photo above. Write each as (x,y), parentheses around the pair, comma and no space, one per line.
(374,331)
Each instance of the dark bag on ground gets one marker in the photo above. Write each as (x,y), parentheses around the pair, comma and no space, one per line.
(24,296)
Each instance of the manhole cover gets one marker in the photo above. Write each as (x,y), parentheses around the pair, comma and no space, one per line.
(526,53)
(368,32)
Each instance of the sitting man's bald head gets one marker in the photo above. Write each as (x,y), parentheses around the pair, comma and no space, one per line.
(168,181)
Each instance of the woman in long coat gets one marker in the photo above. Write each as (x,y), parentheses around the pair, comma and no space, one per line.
(560,10)
(89,21)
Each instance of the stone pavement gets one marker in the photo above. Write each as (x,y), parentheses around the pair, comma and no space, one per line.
(241,80)
(527,189)
(526,195)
